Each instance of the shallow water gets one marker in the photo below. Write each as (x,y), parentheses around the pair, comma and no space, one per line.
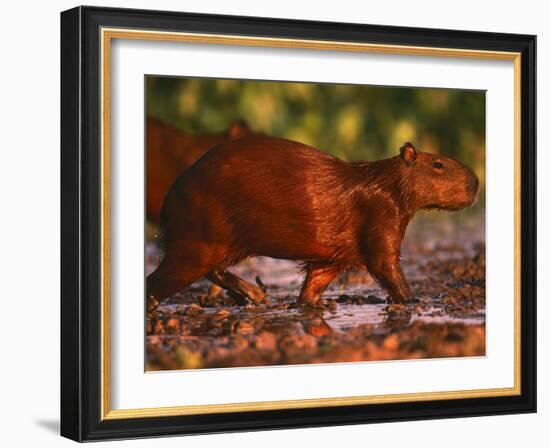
(445,266)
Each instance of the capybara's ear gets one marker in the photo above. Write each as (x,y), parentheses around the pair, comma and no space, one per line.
(408,152)
(238,129)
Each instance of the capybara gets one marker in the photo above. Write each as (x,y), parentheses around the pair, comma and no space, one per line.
(282,199)
(170,151)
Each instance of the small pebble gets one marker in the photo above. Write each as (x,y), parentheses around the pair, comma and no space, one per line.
(193,310)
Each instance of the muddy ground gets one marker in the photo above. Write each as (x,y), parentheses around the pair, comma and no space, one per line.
(443,259)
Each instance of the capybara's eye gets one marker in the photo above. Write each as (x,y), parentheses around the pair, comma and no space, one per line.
(437,165)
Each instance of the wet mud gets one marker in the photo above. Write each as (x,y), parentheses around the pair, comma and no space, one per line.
(443,260)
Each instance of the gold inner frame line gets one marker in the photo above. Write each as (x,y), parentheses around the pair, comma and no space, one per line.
(107,35)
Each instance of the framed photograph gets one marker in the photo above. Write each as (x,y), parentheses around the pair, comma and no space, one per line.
(276,224)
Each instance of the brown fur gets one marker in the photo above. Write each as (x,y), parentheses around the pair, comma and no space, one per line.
(171,151)
(282,199)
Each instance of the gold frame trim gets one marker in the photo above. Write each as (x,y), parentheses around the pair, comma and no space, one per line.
(107,35)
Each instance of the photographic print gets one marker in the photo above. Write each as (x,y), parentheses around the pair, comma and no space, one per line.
(273,224)
(294,223)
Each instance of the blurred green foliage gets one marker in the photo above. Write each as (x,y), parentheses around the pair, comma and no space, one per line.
(352,122)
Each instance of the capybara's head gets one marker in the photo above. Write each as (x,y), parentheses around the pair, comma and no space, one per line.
(436,181)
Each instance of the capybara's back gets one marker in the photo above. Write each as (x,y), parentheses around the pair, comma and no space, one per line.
(282,199)
(263,196)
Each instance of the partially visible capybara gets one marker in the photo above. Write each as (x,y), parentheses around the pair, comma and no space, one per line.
(171,151)
(282,199)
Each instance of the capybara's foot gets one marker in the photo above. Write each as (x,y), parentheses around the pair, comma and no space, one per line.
(256,295)
(317,306)
(236,287)
(307,302)
(316,281)
(244,299)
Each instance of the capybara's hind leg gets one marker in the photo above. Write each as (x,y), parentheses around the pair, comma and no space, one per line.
(317,280)
(236,285)
(171,276)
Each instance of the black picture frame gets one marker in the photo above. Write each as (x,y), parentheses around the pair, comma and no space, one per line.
(81,224)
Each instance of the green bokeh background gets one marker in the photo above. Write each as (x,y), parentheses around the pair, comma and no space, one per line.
(352,122)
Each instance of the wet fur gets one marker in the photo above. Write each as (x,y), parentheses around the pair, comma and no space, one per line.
(171,151)
(283,199)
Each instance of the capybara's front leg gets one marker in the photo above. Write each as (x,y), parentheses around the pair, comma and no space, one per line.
(387,271)
(236,285)
(317,280)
